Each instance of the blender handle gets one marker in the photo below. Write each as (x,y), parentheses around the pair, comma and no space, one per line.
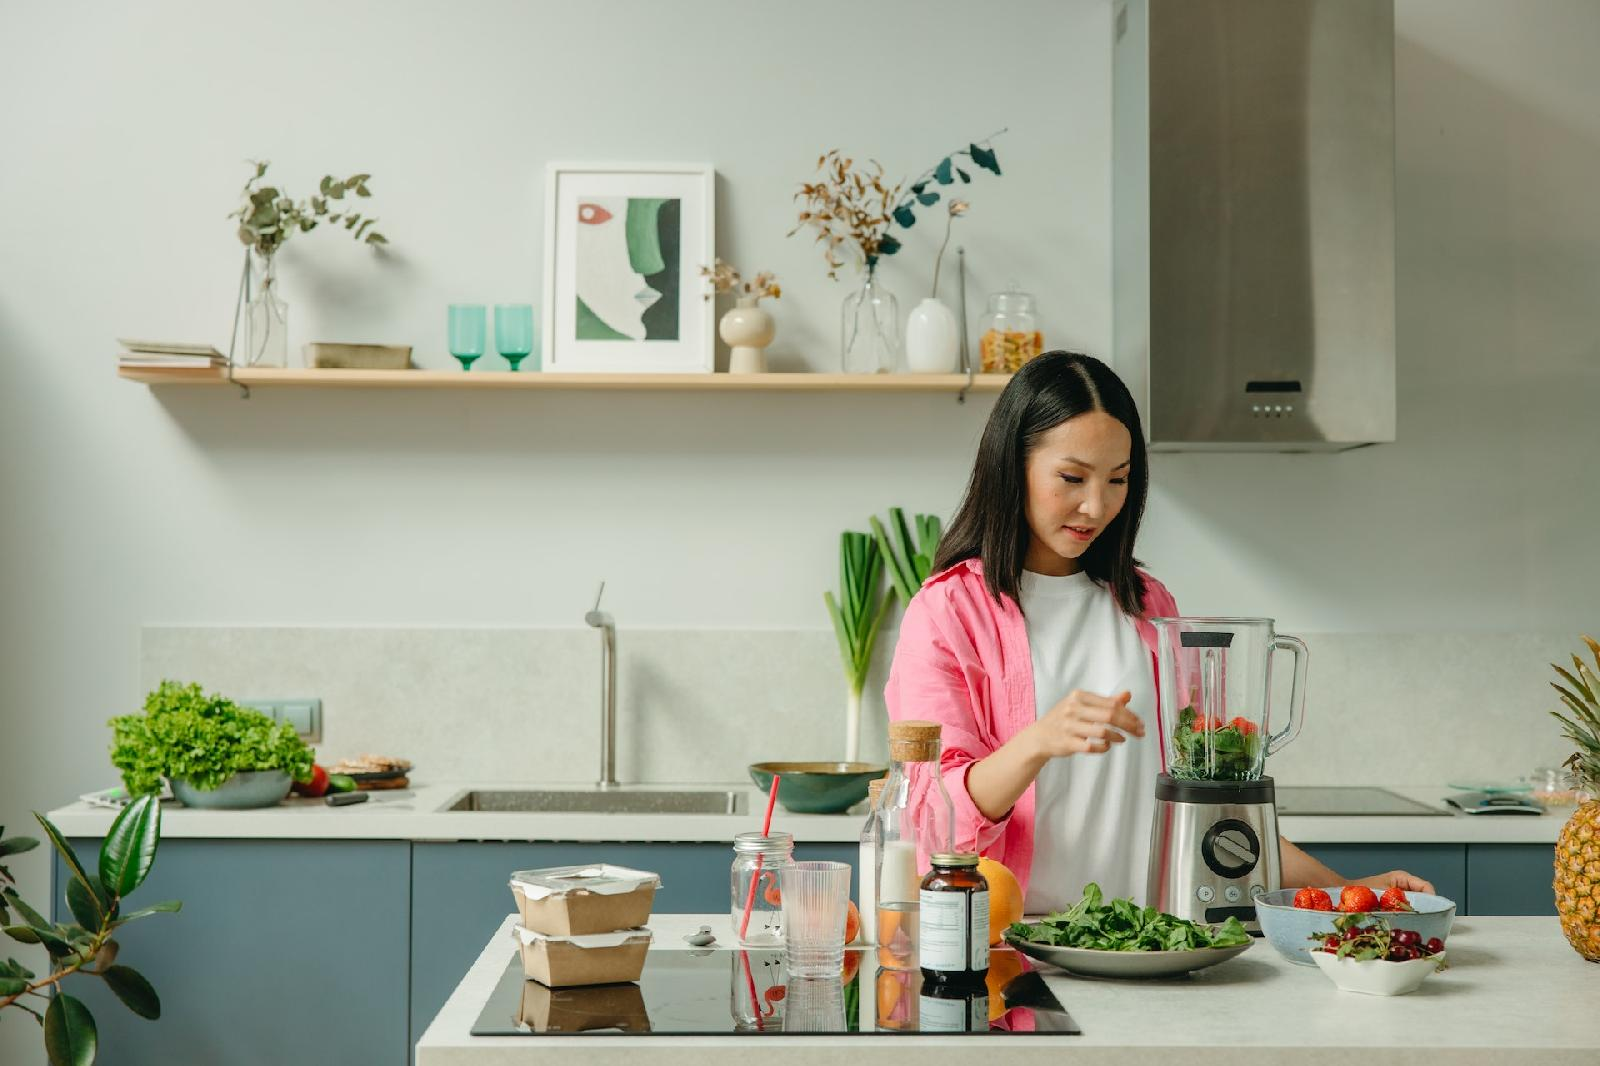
(1297,692)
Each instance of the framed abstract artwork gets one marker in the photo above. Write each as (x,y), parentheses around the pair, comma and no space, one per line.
(623,248)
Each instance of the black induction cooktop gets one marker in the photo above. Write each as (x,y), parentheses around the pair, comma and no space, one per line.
(1340,800)
(715,993)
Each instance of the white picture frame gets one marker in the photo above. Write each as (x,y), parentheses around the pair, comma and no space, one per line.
(601,224)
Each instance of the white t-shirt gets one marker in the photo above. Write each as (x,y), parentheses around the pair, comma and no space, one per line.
(1093,812)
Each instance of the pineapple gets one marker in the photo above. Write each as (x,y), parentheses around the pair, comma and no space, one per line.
(1577,868)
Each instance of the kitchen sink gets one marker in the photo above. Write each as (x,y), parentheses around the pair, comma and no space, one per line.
(595,801)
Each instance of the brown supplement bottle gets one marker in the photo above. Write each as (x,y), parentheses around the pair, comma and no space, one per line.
(954,923)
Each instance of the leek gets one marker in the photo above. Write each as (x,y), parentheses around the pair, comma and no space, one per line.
(909,561)
(857,615)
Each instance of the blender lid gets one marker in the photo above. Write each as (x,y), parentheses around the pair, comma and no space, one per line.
(1175,790)
(1210,620)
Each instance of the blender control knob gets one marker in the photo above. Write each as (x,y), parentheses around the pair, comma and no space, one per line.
(1230,848)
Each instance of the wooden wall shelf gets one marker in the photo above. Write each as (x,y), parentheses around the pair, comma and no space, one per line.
(484,379)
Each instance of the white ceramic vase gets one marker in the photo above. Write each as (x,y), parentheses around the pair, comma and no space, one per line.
(933,343)
(747,330)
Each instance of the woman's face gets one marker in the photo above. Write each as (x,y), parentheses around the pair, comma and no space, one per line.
(1077,477)
(606,279)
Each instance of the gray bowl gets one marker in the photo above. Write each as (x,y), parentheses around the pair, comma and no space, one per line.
(1290,929)
(245,790)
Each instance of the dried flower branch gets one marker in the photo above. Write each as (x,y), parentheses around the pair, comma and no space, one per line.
(724,278)
(957,209)
(850,208)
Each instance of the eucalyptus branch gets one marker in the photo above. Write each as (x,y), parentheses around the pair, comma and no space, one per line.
(268,217)
(914,187)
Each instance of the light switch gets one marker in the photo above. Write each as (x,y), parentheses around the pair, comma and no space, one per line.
(305,716)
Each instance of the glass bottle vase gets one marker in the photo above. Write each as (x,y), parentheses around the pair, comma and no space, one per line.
(869,329)
(266,321)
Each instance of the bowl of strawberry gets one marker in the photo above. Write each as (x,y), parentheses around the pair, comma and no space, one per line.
(1290,917)
(1365,953)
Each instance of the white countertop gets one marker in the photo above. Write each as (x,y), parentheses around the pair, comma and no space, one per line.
(1515,992)
(419,814)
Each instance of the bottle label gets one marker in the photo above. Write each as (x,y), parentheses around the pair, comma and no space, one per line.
(955,931)
(967,1014)
(980,931)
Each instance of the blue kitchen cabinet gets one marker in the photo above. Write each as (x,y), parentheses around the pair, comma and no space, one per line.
(1511,878)
(285,951)
(459,896)
(1443,864)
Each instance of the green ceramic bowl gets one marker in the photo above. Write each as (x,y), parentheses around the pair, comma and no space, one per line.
(817,787)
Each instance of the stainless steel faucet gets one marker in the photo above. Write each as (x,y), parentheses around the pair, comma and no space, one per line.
(608,692)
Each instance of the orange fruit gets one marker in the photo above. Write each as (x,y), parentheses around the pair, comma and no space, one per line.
(895,932)
(852,924)
(1003,966)
(852,964)
(1005,898)
(897,998)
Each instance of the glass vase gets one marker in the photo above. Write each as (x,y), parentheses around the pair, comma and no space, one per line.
(869,329)
(266,321)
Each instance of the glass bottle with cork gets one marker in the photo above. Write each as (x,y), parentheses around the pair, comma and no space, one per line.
(867,865)
(915,819)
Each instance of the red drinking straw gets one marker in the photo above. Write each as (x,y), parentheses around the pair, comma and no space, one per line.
(755,878)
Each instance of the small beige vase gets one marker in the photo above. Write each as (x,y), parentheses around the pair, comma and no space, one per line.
(747,330)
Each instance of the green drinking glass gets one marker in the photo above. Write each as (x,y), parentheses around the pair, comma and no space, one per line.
(467,327)
(513,332)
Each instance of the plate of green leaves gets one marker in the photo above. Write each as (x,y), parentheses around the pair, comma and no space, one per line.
(1118,938)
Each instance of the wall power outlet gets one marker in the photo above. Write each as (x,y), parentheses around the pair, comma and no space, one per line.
(305,714)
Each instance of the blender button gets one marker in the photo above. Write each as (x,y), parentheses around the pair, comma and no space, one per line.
(1232,894)
(1257,891)
(1204,894)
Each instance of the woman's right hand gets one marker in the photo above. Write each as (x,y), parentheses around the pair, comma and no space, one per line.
(1086,724)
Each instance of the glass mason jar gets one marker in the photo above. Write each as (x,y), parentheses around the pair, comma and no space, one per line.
(266,321)
(1010,334)
(757,860)
(869,329)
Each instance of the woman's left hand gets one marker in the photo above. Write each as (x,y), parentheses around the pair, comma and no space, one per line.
(1397,879)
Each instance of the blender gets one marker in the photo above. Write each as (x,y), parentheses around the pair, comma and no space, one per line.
(1214,843)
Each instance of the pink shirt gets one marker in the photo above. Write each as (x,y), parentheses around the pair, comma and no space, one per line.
(963,661)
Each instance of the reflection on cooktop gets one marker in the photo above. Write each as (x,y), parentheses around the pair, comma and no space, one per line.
(746,993)
(1341,800)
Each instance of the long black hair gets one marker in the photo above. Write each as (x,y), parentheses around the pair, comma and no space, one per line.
(992,524)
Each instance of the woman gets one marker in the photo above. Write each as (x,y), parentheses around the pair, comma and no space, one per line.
(1031,645)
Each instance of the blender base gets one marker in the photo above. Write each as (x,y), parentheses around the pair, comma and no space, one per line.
(1213,849)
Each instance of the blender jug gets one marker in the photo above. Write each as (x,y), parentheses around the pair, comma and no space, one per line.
(1215,679)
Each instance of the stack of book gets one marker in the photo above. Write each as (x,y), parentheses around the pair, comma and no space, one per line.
(164,356)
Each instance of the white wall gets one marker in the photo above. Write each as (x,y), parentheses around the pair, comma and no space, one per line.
(122,135)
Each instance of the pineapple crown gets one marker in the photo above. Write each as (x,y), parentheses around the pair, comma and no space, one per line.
(1583,727)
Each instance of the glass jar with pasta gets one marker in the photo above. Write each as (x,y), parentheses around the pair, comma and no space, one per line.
(1010,333)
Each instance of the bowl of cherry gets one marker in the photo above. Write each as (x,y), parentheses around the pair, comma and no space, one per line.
(1363,953)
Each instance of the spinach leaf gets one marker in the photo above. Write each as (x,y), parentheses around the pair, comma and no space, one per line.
(1121,925)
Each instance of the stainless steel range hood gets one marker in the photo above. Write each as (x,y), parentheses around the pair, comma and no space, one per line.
(1253,221)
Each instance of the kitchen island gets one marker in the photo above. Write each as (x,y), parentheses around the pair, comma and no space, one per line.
(1515,992)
